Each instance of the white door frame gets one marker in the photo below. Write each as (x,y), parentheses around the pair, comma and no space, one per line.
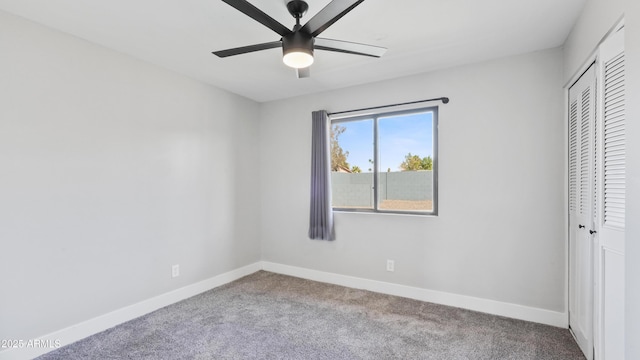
(598,338)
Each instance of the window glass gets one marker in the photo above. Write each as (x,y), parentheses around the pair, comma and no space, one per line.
(352,164)
(405,172)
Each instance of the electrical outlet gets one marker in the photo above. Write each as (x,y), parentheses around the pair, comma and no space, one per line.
(390,265)
(175,270)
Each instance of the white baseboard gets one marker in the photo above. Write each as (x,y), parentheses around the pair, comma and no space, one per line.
(93,326)
(515,311)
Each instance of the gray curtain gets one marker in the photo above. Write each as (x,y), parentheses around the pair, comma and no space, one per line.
(321,219)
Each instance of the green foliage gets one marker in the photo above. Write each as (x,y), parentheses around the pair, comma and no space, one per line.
(427,163)
(355,169)
(338,156)
(415,162)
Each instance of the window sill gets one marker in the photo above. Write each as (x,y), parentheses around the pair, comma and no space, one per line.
(391,213)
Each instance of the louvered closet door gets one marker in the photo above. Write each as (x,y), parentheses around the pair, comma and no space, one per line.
(610,214)
(581,204)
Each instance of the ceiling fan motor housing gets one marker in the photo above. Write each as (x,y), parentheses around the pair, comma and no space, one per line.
(297,42)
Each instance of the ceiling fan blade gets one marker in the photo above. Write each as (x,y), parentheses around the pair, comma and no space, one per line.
(259,16)
(328,15)
(303,72)
(247,49)
(348,47)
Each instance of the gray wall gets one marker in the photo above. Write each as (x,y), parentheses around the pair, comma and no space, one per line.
(356,189)
(112,170)
(406,185)
(504,118)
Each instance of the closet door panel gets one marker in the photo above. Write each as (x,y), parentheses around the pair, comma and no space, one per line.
(581,205)
(611,194)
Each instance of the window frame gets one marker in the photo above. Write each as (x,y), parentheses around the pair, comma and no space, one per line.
(375,116)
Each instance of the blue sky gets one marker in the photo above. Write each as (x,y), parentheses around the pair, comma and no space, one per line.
(398,136)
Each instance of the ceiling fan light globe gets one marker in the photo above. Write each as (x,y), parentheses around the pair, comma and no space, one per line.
(298,59)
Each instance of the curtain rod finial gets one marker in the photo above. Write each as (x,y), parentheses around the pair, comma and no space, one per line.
(445,100)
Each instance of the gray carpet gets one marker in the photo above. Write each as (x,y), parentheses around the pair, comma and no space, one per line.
(271,316)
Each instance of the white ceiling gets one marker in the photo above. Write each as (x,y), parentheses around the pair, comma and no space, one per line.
(421,35)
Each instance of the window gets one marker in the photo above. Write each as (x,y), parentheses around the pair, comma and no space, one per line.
(385,162)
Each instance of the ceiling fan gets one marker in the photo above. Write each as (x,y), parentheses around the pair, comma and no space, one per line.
(299,43)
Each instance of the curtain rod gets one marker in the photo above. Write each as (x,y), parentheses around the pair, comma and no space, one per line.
(444,101)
